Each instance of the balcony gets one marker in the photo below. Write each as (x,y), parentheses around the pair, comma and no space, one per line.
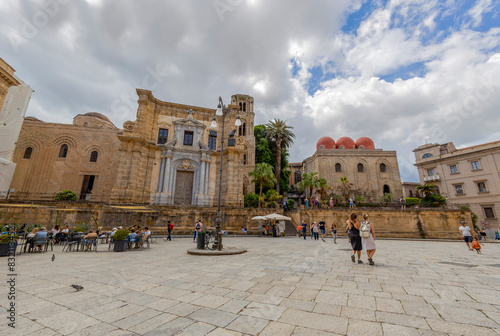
(431,178)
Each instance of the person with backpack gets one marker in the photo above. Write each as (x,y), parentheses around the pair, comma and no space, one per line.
(367,232)
(170,228)
(355,238)
(197,228)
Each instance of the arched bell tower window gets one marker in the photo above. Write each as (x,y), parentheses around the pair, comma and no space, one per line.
(361,168)
(244,107)
(93,156)
(27,153)
(242,131)
(338,168)
(63,151)
(383,168)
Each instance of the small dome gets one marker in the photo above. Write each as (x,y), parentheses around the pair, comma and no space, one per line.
(365,143)
(325,143)
(345,143)
(97,115)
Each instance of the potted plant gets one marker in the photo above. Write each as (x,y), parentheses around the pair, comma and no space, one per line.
(120,239)
(8,242)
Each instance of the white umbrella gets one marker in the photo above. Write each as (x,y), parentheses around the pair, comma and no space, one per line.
(259,218)
(276,216)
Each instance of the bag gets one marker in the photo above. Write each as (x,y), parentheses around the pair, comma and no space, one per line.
(198,226)
(364,230)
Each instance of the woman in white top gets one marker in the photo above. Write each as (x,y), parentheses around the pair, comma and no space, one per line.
(369,243)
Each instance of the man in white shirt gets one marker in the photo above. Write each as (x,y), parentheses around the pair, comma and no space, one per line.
(466,233)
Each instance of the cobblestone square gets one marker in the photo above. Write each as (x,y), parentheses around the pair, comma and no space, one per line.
(281,286)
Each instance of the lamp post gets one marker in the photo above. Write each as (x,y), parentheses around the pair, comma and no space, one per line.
(222,111)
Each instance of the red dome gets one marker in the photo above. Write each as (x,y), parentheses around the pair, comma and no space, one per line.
(326,142)
(367,143)
(346,142)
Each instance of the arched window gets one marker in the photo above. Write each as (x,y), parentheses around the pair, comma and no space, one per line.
(341,147)
(427,155)
(361,168)
(63,151)
(241,107)
(361,147)
(383,168)
(387,190)
(27,153)
(298,177)
(244,107)
(93,156)
(242,131)
(338,167)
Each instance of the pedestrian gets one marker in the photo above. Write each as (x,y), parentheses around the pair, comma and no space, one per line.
(304,229)
(355,238)
(285,206)
(312,232)
(351,203)
(402,201)
(476,245)
(483,234)
(322,229)
(331,202)
(334,233)
(244,230)
(315,230)
(299,230)
(369,243)
(197,229)
(170,227)
(307,203)
(466,234)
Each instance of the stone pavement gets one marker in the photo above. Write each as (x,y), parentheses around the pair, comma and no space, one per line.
(281,286)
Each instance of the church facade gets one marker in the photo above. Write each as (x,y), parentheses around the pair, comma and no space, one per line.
(371,171)
(169,155)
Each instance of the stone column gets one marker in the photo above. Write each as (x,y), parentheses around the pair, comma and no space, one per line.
(161,175)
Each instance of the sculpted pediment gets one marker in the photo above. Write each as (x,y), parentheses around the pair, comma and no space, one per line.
(189,122)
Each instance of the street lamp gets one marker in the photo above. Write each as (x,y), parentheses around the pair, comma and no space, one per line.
(222,111)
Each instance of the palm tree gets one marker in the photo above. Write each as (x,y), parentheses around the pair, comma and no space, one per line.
(344,187)
(281,134)
(321,185)
(427,189)
(308,182)
(263,175)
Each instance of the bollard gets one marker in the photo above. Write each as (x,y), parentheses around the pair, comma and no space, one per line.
(201,240)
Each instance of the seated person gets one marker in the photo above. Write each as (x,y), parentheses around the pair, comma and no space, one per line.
(244,230)
(63,235)
(40,236)
(131,237)
(10,230)
(139,239)
(30,239)
(87,242)
(55,231)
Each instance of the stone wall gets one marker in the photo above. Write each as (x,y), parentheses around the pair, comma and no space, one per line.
(427,223)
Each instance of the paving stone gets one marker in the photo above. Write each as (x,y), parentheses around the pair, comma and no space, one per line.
(304,294)
(248,325)
(136,318)
(197,329)
(315,321)
(234,306)
(212,316)
(401,319)
(389,305)
(224,332)
(459,329)
(397,330)
(277,329)
(182,309)
(358,314)
(152,324)
(328,309)
(264,311)
(67,322)
(361,328)
(211,301)
(298,304)
(420,309)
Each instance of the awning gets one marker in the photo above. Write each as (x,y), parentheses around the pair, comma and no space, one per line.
(276,216)
(259,218)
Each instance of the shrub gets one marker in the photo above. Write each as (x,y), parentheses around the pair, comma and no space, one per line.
(120,234)
(7,238)
(386,199)
(82,227)
(290,203)
(359,200)
(66,195)
(433,201)
(251,200)
(271,205)
(410,201)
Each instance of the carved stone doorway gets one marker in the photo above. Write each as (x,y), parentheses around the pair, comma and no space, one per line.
(184,188)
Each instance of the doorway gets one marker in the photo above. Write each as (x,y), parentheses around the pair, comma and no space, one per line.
(184,188)
(87,187)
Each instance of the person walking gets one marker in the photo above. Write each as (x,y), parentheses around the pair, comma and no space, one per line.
(170,227)
(351,203)
(466,234)
(331,202)
(369,243)
(312,231)
(334,233)
(304,229)
(355,238)
(299,230)
(315,231)
(322,229)
(476,245)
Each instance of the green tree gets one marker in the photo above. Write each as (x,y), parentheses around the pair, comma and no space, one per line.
(278,132)
(359,200)
(307,182)
(321,185)
(263,175)
(427,189)
(344,187)
(263,152)
(386,199)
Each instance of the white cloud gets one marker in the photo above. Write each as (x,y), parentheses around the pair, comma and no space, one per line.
(477,12)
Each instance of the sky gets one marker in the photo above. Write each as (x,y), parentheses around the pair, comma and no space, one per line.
(403,73)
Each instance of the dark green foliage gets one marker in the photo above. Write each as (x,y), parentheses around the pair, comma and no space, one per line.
(251,200)
(433,201)
(412,201)
(290,203)
(120,234)
(66,195)
(7,238)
